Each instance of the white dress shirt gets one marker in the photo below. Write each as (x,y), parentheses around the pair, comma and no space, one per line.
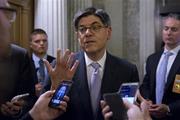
(170,60)
(90,68)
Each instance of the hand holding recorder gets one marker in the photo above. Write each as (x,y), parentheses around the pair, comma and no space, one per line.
(127,92)
(115,107)
(41,110)
(13,107)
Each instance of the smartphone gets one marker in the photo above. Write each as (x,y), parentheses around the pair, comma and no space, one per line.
(60,92)
(128,91)
(20,97)
(116,105)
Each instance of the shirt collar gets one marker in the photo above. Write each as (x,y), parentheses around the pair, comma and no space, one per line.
(174,51)
(36,59)
(101,61)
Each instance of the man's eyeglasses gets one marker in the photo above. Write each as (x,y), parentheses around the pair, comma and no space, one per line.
(9,12)
(94,28)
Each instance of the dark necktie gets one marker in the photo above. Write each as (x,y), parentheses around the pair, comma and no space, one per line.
(161,77)
(95,87)
(41,70)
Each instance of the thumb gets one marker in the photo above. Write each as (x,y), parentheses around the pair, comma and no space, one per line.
(48,94)
(127,104)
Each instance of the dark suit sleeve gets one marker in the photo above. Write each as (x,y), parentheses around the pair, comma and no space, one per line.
(26,82)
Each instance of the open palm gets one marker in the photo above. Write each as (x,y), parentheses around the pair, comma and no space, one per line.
(64,68)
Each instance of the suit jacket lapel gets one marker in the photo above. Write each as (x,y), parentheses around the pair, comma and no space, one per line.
(154,65)
(83,89)
(108,75)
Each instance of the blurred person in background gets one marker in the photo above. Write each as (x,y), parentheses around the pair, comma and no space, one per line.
(15,70)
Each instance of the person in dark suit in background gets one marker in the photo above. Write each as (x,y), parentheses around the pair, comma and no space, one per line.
(15,70)
(39,47)
(166,107)
(93,29)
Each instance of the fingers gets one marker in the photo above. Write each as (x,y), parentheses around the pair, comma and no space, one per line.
(17,105)
(10,108)
(58,56)
(106,110)
(70,60)
(6,109)
(144,106)
(102,103)
(3,111)
(139,96)
(145,109)
(63,106)
(65,60)
(66,98)
(66,56)
(74,67)
(62,60)
(48,94)
(127,104)
(48,66)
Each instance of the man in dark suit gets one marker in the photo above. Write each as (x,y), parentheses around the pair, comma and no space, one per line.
(93,29)
(15,69)
(39,47)
(152,88)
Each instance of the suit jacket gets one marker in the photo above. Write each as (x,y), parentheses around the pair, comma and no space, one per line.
(116,72)
(16,76)
(47,83)
(148,86)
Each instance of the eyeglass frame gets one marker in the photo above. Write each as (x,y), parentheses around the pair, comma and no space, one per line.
(12,10)
(94,27)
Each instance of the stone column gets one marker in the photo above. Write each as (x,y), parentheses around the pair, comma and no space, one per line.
(51,15)
(147,32)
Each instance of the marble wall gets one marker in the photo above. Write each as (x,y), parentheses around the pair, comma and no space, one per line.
(131,30)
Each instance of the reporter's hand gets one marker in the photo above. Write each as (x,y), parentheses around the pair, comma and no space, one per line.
(41,110)
(64,68)
(133,111)
(12,108)
(158,111)
(38,89)
(136,113)
(106,110)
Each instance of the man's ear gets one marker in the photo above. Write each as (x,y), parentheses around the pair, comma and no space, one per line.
(77,35)
(109,32)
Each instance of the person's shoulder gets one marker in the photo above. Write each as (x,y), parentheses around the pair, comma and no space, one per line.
(50,58)
(18,49)
(155,54)
(18,53)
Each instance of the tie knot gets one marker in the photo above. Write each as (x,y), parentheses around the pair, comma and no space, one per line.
(168,53)
(41,62)
(95,65)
